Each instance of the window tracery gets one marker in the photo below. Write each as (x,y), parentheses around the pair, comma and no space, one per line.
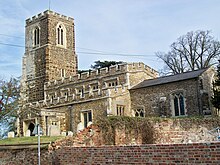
(179,104)
(61,35)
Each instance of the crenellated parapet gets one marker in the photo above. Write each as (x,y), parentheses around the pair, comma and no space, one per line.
(95,84)
(76,98)
(44,15)
(103,72)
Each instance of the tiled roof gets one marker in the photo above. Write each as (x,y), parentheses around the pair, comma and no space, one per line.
(169,79)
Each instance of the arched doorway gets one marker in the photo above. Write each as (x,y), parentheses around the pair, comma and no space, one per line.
(31,128)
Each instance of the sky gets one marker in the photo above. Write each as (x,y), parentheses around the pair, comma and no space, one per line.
(135,28)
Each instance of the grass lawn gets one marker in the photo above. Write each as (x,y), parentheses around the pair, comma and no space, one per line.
(29,140)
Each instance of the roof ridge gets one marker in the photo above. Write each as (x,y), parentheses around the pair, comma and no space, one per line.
(184,72)
(170,78)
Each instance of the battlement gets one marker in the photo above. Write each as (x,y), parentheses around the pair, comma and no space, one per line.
(44,14)
(76,98)
(112,70)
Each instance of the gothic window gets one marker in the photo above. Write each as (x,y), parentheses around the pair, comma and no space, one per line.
(61,35)
(120,110)
(139,112)
(36,36)
(87,117)
(179,104)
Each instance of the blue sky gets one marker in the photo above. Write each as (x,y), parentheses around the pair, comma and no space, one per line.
(133,27)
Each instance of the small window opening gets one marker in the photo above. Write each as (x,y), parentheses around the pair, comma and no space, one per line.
(36,36)
(120,110)
(87,117)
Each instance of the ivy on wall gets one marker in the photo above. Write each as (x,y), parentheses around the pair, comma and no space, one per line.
(143,130)
(140,128)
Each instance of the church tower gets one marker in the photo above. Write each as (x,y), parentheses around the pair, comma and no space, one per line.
(49,53)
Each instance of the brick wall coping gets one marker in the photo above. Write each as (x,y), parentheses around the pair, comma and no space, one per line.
(22,146)
(25,144)
(150,145)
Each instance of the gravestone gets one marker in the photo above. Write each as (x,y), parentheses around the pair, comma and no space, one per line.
(28,133)
(54,130)
(63,133)
(70,133)
(11,134)
(80,127)
(89,124)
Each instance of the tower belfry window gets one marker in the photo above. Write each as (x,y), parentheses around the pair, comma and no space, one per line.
(36,36)
(60,35)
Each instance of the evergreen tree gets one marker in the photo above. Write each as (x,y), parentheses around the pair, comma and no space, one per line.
(102,64)
(216,90)
(9,94)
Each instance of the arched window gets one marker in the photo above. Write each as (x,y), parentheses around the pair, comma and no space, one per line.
(36,36)
(179,104)
(61,35)
(140,112)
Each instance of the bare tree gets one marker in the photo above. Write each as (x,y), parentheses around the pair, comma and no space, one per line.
(195,50)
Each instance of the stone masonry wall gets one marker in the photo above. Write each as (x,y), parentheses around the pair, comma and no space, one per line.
(112,82)
(46,61)
(206,92)
(149,98)
(173,131)
(196,153)
(98,91)
(61,57)
(186,130)
(98,109)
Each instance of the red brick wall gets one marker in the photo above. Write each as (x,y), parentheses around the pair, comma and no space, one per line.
(24,157)
(195,153)
(144,154)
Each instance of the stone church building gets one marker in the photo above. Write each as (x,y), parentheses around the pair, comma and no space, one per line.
(61,100)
